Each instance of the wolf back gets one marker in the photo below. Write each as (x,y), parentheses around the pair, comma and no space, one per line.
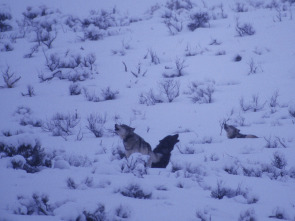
(233,132)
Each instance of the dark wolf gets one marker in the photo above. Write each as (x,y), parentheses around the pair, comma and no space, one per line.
(133,143)
(164,148)
(233,132)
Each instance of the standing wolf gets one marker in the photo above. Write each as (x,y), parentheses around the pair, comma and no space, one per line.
(233,132)
(133,143)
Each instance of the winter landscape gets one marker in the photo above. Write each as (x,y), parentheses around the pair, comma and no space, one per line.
(71,70)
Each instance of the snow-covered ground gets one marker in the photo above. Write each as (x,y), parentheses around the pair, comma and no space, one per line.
(221,60)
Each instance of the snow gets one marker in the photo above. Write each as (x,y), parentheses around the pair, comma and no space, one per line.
(86,171)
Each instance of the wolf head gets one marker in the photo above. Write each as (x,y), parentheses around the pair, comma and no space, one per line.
(166,145)
(123,130)
(163,150)
(231,131)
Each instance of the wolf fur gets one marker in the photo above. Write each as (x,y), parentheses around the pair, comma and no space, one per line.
(233,132)
(164,148)
(133,143)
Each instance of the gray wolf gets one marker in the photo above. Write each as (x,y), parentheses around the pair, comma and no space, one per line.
(233,132)
(133,143)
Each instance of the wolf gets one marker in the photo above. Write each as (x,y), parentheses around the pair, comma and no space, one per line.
(133,143)
(164,148)
(233,132)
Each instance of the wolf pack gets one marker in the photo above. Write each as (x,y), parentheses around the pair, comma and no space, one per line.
(159,157)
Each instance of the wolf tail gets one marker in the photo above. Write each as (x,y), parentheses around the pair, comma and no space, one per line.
(251,136)
(163,151)
(246,136)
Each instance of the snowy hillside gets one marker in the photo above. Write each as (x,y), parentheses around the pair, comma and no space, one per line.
(71,70)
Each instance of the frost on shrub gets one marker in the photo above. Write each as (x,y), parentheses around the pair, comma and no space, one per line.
(153,57)
(45,37)
(102,19)
(40,23)
(232,168)
(75,89)
(179,67)
(26,156)
(135,191)
(5,18)
(279,161)
(248,215)
(186,150)
(203,215)
(275,170)
(30,121)
(118,153)
(33,50)
(62,124)
(275,142)
(138,72)
(292,111)
(187,170)
(71,183)
(220,14)
(174,23)
(73,22)
(8,133)
(269,170)
(279,213)
(35,205)
(149,98)
(254,104)
(170,89)
(136,164)
(254,68)
(96,124)
(252,171)
(106,94)
(201,92)
(99,214)
(6,46)
(32,13)
(9,78)
(240,7)
(93,97)
(78,160)
(87,182)
(291,172)
(30,91)
(70,66)
(96,26)
(273,103)
(109,94)
(222,191)
(245,29)
(175,5)
(122,212)
(18,162)
(24,114)
(198,20)
(93,33)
